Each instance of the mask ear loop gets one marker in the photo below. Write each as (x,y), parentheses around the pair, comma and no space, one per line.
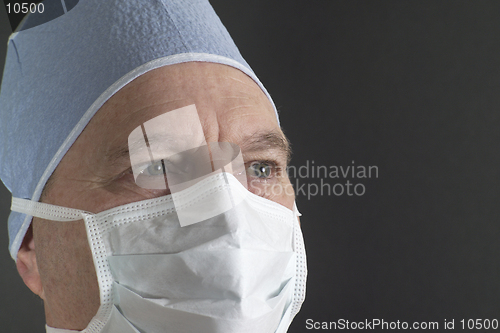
(63,214)
(46,211)
(296,210)
(301,264)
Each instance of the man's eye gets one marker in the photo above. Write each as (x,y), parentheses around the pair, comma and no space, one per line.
(261,170)
(154,169)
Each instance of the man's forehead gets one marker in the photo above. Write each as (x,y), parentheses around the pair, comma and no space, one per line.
(181,83)
(221,94)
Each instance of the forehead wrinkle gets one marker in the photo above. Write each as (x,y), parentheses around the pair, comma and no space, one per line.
(242,107)
(134,111)
(243,83)
(235,97)
(225,76)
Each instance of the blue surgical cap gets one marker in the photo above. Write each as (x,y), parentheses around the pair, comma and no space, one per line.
(58,74)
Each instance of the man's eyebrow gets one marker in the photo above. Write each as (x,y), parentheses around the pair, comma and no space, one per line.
(256,142)
(270,140)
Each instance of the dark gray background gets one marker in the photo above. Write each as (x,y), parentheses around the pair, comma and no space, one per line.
(409,86)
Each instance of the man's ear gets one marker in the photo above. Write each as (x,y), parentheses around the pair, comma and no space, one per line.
(27,266)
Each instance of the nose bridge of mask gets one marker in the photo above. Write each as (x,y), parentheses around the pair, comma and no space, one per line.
(170,152)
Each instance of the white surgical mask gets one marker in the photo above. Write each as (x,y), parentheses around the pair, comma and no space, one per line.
(242,270)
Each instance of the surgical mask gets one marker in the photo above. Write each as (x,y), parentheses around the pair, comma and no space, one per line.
(243,269)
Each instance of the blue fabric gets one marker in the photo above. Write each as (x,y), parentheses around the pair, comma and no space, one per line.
(59,73)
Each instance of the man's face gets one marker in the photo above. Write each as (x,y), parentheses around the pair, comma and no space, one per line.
(96,174)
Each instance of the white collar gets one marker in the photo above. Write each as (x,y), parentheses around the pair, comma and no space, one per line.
(58,330)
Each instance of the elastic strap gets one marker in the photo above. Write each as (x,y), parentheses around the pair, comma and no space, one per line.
(301,265)
(296,210)
(46,211)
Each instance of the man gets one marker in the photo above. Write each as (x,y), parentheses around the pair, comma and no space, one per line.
(87,90)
